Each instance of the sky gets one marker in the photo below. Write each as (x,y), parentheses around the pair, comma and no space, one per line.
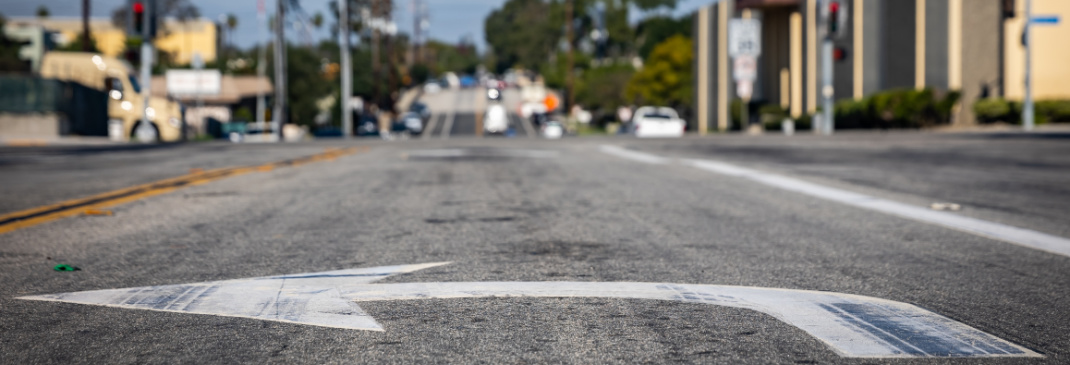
(450,19)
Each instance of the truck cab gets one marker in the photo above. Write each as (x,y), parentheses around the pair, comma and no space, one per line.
(125,102)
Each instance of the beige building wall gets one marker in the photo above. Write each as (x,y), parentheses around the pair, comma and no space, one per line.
(1051,55)
(181,39)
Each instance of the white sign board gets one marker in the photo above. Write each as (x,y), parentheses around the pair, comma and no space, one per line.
(744,37)
(194,82)
(744,89)
(745,68)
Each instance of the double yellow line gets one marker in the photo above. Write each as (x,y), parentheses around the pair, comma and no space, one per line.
(35,216)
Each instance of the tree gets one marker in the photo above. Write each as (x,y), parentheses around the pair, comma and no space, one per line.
(654,30)
(9,53)
(76,45)
(317,20)
(42,12)
(523,33)
(666,76)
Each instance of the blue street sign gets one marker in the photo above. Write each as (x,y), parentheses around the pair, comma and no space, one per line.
(1045,20)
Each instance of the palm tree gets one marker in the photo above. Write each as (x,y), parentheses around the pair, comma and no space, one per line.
(42,12)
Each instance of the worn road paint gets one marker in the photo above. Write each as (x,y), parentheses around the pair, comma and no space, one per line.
(852,325)
(1020,236)
(480,152)
(634,155)
(34,216)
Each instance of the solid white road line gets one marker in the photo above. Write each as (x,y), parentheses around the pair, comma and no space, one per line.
(852,325)
(448,125)
(634,155)
(429,129)
(528,128)
(1019,236)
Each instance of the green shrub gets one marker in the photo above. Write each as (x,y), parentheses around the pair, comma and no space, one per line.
(902,108)
(1007,111)
(995,110)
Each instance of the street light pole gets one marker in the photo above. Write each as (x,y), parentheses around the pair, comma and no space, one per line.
(827,90)
(279,114)
(568,24)
(1027,107)
(347,86)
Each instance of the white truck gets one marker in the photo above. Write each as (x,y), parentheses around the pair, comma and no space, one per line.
(657,122)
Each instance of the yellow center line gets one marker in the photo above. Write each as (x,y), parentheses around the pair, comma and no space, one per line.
(34,216)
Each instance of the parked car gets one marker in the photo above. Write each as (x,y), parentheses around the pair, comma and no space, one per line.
(412,122)
(367,125)
(496,119)
(552,130)
(422,109)
(657,122)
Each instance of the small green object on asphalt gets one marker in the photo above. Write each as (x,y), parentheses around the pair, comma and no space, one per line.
(65,267)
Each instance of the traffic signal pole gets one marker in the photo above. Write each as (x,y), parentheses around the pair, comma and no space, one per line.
(831,8)
(145,128)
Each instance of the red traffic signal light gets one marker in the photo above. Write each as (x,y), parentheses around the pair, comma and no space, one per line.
(834,17)
(839,54)
(137,12)
(139,8)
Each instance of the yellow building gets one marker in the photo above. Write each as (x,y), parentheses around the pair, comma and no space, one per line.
(1051,56)
(179,39)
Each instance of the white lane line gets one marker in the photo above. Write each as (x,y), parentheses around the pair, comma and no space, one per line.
(634,155)
(1019,236)
(852,325)
(429,129)
(481,152)
(448,125)
(528,128)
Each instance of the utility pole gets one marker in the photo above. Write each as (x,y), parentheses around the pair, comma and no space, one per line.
(86,47)
(279,115)
(261,64)
(1027,108)
(569,81)
(347,67)
(375,55)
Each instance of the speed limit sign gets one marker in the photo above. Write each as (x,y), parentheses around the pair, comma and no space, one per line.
(744,37)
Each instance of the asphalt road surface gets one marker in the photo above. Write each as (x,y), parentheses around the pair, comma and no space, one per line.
(582,214)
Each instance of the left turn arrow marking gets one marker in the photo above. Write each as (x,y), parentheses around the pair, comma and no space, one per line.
(852,325)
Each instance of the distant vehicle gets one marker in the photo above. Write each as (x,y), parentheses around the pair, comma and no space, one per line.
(422,109)
(657,122)
(496,120)
(413,122)
(432,87)
(367,125)
(494,94)
(125,103)
(552,130)
(468,81)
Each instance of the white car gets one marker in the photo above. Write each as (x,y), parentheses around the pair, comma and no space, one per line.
(552,130)
(657,122)
(496,119)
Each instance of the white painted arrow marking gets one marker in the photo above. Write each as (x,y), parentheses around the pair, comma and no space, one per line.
(853,325)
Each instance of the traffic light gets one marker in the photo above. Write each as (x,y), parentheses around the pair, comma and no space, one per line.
(839,54)
(835,14)
(142,19)
(834,17)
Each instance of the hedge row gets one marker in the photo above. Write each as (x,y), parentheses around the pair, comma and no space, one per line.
(1007,111)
